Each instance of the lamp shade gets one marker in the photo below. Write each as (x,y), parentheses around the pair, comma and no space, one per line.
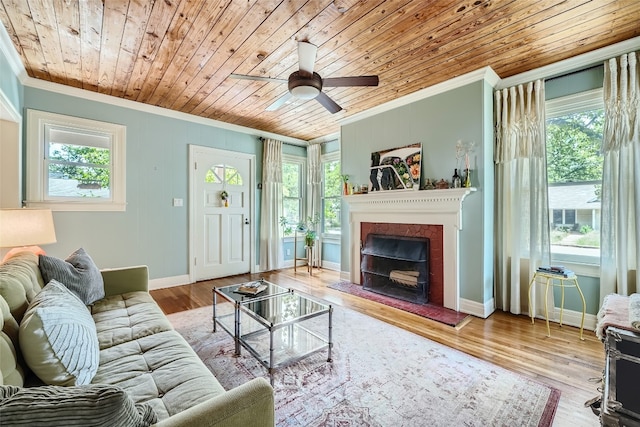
(26,227)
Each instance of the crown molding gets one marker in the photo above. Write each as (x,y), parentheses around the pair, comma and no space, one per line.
(9,52)
(326,138)
(578,62)
(487,74)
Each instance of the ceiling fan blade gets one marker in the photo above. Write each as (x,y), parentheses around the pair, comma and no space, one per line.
(328,103)
(350,81)
(279,102)
(306,56)
(256,78)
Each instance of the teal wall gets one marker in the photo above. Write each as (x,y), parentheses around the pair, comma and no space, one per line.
(438,122)
(580,81)
(151,231)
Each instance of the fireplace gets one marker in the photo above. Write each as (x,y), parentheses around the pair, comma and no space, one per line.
(407,209)
(396,266)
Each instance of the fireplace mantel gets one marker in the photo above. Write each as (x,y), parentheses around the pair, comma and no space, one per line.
(435,207)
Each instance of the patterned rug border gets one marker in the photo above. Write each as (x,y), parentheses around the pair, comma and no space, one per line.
(439,314)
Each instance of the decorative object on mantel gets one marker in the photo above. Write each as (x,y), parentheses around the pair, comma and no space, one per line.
(396,169)
(224,196)
(442,185)
(345,185)
(429,185)
(462,152)
(456,181)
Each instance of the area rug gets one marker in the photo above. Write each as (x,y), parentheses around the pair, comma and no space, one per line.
(430,311)
(380,376)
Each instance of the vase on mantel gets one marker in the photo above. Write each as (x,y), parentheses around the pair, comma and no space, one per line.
(467,178)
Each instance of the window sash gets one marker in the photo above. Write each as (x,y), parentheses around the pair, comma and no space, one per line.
(584,260)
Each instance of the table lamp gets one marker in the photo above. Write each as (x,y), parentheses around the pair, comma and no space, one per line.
(24,229)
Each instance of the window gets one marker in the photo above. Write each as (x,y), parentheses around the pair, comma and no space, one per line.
(292,189)
(74,164)
(331,193)
(223,174)
(574,169)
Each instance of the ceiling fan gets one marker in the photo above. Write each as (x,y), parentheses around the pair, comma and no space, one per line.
(307,84)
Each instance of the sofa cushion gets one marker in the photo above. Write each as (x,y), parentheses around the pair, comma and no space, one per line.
(10,370)
(20,281)
(78,272)
(58,337)
(160,369)
(127,317)
(52,406)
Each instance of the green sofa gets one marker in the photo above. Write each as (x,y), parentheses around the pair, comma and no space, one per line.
(139,352)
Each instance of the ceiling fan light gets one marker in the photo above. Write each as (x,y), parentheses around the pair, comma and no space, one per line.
(304,85)
(305,92)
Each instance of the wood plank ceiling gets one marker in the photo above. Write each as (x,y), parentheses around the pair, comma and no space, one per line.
(178,54)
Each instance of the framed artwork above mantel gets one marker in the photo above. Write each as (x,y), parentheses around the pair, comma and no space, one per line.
(396,168)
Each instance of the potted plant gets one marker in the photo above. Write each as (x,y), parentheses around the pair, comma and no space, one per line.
(308,227)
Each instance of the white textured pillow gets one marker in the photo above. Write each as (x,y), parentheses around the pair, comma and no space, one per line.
(58,337)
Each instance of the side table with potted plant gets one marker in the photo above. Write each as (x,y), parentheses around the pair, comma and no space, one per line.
(308,230)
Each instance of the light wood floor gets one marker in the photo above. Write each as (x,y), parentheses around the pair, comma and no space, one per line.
(562,361)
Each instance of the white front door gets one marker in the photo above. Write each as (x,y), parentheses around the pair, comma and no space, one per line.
(222,228)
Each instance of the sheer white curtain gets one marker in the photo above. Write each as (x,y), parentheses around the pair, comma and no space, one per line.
(522,206)
(271,206)
(314,191)
(620,231)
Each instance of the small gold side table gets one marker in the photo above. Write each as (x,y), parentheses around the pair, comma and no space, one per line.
(562,282)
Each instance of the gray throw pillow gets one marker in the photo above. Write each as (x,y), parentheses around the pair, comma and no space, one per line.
(78,272)
(55,406)
(58,337)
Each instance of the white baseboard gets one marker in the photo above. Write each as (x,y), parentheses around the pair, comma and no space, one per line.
(345,275)
(572,318)
(476,308)
(168,282)
(331,265)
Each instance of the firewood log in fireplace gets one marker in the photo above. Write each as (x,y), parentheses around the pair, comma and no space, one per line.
(407,278)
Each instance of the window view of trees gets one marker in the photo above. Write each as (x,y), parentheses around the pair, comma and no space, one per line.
(292,192)
(87,170)
(573,147)
(574,173)
(331,196)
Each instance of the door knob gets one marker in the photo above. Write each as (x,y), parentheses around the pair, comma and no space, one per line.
(246,221)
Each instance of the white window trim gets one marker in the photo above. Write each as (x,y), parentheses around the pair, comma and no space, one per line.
(575,103)
(325,158)
(584,265)
(36,174)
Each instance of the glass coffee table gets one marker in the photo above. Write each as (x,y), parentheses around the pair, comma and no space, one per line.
(278,326)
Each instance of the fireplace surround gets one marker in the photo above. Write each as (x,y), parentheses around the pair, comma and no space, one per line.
(431,207)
